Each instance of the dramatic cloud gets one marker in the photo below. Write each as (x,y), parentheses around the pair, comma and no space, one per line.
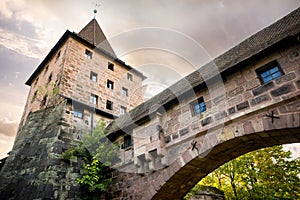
(8,128)
(6,144)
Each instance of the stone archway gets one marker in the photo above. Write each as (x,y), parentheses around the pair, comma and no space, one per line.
(177,179)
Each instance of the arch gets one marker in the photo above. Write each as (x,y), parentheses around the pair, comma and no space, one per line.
(190,168)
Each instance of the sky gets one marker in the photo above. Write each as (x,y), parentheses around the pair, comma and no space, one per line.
(177,32)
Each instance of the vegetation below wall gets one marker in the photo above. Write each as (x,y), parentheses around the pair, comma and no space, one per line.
(98,154)
(268,173)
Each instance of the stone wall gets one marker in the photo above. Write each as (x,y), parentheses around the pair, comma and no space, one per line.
(34,168)
(169,133)
(77,85)
(70,70)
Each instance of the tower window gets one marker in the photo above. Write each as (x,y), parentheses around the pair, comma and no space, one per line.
(129,77)
(127,141)
(109,105)
(110,66)
(122,110)
(46,69)
(36,81)
(78,112)
(269,72)
(88,54)
(93,77)
(110,84)
(198,106)
(94,99)
(34,96)
(43,103)
(50,78)
(57,56)
(124,91)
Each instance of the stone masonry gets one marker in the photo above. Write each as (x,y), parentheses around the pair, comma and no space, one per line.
(34,168)
(246,99)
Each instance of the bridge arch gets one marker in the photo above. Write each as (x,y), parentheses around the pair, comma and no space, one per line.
(177,179)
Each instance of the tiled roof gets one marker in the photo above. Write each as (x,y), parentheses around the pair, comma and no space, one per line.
(94,35)
(249,48)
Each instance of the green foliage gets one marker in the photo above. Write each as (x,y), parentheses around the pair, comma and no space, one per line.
(98,154)
(48,95)
(68,154)
(95,177)
(268,173)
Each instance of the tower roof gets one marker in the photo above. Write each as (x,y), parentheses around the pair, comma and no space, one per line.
(94,34)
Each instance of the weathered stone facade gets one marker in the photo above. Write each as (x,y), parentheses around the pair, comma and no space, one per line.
(173,148)
(80,69)
(34,168)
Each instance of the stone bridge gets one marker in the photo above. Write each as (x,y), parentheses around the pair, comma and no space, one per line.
(246,99)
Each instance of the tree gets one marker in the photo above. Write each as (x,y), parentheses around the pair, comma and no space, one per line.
(268,173)
(98,154)
(48,96)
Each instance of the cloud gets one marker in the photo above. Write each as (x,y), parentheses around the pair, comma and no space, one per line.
(22,44)
(8,128)
(6,144)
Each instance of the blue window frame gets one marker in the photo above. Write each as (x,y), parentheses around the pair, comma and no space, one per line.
(198,106)
(269,72)
(78,113)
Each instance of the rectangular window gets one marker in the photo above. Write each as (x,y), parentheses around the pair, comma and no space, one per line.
(88,54)
(43,102)
(110,84)
(93,76)
(129,77)
(127,141)
(124,91)
(34,96)
(110,66)
(269,72)
(57,56)
(78,112)
(198,106)
(122,110)
(36,81)
(94,99)
(50,78)
(109,105)
(46,69)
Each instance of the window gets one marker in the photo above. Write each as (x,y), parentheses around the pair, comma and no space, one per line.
(129,77)
(110,84)
(109,105)
(57,56)
(269,72)
(34,96)
(50,78)
(110,66)
(88,54)
(124,91)
(78,112)
(36,81)
(127,142)
(94,99)
(122,110)
(46,69)
(93,77)
(43,102)
(198,106)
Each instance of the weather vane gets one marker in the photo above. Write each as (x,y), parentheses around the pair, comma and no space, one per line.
(95,10)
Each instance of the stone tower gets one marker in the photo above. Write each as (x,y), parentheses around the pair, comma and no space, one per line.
(80,81)
(88,75)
